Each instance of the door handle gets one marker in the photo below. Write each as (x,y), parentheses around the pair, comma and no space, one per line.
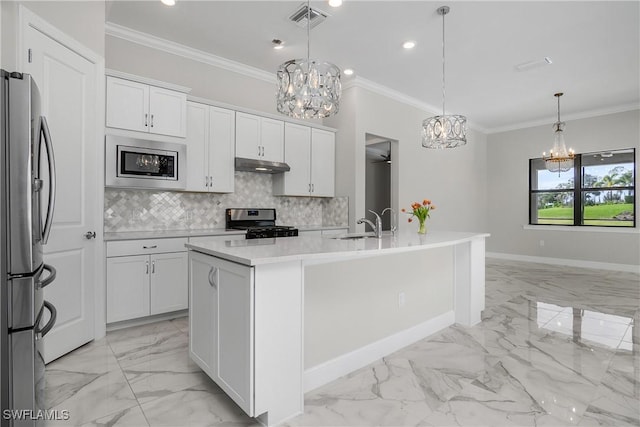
(52,320)
(153,267)
(146,264)
(50,278)
(150,247)
(213,281)
(44,128)
(145,120)
(90,235)
(152,120)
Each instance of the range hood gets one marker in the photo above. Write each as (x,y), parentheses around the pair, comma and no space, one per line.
(260,166)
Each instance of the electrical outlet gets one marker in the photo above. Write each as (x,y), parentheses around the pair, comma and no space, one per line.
(401,299)
(541,243)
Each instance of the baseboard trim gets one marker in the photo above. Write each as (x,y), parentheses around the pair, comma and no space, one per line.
(333,369)
(629,268)
(146,320)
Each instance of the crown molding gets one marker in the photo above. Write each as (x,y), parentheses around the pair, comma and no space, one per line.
(386,91)
(178,49)
(566,117)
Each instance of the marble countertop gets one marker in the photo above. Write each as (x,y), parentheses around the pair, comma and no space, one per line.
(268,251)
(165,234)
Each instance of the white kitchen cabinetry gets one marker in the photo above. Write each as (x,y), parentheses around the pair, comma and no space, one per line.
(210,148)
(259,138)
(310,153)
(146,277)
(221,325)
(144,108)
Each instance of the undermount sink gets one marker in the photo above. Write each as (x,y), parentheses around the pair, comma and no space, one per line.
(354,236)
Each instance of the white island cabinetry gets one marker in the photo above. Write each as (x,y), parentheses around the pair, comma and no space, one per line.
(265,327)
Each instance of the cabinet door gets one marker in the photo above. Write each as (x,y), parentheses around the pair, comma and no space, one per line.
(272,139)
(297,154)
(167,112)
(169,282)
(127,287)
(235,331)
(203,314)
(221,154)
(247,136)
(197,147)
(322,163)
(127,105)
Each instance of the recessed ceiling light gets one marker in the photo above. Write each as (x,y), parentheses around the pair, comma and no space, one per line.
(335,3)
(347,71)
(409,44)
(529,65)
(277,44)
(169,2)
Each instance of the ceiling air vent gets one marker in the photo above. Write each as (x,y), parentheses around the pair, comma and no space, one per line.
(300,16)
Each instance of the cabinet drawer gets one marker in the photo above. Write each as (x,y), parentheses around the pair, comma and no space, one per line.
(146,246)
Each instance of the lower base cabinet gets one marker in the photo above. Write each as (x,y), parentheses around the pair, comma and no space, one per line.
(142,283)
(221,321)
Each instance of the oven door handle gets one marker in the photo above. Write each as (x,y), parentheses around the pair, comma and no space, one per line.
(52,320)
(50,278)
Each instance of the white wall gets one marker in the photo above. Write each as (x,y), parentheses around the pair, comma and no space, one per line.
(206,81)
(455,180)
(81,20)
(508,168)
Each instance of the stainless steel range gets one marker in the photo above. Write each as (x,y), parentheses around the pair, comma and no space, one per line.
(259,223)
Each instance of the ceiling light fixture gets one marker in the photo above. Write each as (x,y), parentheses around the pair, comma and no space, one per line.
(347,71)
(277,44)
(559,159)
(168,2)
(409,44)
(445,131)
(308,89)
(335,3)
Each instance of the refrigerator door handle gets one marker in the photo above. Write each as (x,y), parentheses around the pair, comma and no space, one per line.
(50,278)
(52,180)
(52,320)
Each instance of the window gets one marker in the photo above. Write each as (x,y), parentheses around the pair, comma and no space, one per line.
(598,191)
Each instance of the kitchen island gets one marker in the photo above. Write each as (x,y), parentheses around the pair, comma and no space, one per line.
(272,318)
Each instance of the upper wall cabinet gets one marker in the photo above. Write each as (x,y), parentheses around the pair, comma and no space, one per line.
(311,155)
(210,142)
(144,108)
(259,138)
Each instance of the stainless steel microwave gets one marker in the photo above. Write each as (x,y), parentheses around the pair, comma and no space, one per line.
(140,163)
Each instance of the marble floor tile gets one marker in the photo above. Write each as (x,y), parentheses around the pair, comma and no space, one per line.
(196,406)
(88,383)
(131,417)
(555,348)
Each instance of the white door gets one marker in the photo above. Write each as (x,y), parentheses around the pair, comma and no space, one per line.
(197,147)
(127,104)
(297,154)
(272,139)
(248,136)
(168,112)
(169,282)
(68,89)
(323,160)
(222,131)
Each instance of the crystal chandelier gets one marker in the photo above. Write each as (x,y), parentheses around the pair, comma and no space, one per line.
(308,89)
(445,131)
(559,159)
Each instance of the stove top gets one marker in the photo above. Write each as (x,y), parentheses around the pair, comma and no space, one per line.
(259,223)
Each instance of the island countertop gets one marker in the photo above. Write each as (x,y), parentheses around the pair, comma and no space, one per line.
(266,251)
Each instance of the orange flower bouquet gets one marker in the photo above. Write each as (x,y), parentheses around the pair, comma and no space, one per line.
(420,211)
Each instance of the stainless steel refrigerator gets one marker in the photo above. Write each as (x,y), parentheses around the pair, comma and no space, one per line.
(27,199)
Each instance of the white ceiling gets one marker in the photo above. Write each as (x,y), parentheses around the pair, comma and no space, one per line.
(595,48)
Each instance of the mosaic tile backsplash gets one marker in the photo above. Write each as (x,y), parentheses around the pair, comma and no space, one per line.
(148,210)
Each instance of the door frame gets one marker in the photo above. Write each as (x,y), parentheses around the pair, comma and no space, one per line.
(26,19)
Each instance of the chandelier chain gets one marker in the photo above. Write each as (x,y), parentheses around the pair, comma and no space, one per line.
(443,62)
(308,31)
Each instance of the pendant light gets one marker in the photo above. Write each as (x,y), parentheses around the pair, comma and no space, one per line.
(308,89)
(559,159)
(445,131)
